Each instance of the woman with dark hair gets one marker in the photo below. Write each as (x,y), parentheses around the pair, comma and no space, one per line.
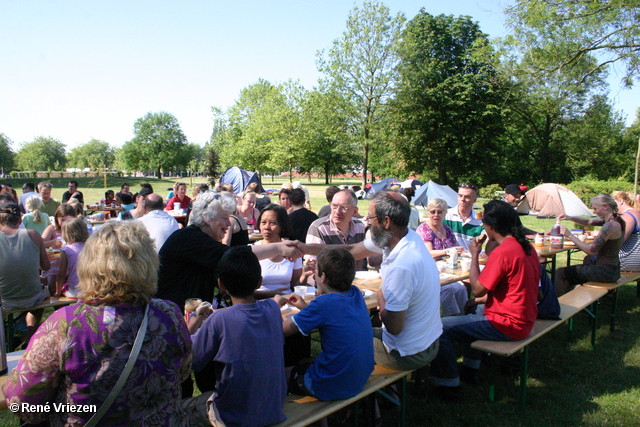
(509,282)
(601,263)
(279,275)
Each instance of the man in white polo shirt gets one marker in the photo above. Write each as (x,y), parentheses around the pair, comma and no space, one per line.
(409,300)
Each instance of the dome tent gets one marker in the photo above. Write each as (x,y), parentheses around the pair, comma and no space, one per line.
(240,178)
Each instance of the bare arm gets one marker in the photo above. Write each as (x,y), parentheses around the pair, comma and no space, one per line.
(393,320)
(358,250)
(629,224)
(474,270)
(581,220)
(62,274)
(287,249)
(45,264)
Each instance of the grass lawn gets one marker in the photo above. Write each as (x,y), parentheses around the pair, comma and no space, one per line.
(569,384)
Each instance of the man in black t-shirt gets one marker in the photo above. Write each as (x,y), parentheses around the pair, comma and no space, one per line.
(301,217)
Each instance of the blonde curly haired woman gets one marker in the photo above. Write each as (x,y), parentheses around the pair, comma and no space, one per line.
(79,352)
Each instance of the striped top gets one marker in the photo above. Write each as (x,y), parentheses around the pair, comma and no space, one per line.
(464,231)
(323,231)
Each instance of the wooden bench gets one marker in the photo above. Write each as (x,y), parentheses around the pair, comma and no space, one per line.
(612,291)
(305,410)
(571,303)
(54,302)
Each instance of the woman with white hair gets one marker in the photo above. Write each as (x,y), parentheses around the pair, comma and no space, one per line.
(601,263)
(189,258)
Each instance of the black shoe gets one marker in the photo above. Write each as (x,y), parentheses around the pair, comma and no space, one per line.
(448,394)
(470,375)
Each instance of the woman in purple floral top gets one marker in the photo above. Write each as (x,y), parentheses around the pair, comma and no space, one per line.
(77,355)
(438,238)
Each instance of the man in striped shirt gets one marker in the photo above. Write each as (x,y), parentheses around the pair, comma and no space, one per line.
(339,228)
(461,219)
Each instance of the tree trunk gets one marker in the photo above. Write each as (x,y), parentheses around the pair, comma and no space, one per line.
(635,181)
(365,162)
(159,173)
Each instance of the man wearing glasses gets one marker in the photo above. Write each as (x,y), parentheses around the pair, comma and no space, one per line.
(339,228)
(461,218)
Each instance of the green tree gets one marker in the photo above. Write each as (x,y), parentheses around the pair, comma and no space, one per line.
(326,143)
(599,134)
(361,66)
(42,154)
(565,32)
(6,153)
(212,164)
(95,154)
(159,144)
(448,109)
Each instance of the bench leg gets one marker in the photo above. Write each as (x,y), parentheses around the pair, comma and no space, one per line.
(524,368)
(10,332)
(402,402)
(638,289)
(614,307)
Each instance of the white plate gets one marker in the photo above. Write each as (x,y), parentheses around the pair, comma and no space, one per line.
(444,276)
(288,307)
(365,275)
(366,293)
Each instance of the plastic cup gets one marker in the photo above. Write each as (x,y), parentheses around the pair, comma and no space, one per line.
(465,264)
(176,206)
(300,290)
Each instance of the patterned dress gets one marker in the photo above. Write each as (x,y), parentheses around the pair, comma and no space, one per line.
(78,353)
(428,235)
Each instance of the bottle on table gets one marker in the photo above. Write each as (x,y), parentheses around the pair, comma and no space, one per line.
(557,239)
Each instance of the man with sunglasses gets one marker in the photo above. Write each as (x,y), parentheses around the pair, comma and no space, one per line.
(461,218)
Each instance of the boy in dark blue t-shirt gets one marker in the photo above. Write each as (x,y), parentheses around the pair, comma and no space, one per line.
(341,315)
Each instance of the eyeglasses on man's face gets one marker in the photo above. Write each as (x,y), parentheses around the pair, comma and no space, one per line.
(343,209)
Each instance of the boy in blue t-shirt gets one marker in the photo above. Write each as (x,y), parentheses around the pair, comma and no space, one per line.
(244,344)
(341,315)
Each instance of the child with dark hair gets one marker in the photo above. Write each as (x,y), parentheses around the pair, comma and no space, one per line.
(242,347)
(340,314)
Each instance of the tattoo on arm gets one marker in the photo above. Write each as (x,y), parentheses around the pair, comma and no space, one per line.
(601,238)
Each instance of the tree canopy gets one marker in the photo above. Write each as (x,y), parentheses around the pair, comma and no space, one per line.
(6,153)
(94,154)
(448,109)
(361,66)
(42,154)
(563,32)
(159,144)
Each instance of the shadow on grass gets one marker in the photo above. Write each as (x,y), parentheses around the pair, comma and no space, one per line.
(569,384)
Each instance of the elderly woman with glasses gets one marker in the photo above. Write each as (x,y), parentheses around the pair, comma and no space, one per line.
(438,238)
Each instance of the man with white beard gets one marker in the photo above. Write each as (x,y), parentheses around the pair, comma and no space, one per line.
(409,301)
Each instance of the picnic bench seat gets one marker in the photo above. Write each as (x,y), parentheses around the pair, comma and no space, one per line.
(612,291)
(571,303)
(305,410)
(48,302)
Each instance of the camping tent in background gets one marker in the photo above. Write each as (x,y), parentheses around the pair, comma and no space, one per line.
(382,185)
(413,183)
(431,190)
(240,178)
(551,200)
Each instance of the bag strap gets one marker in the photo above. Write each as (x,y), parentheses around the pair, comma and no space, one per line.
(133,356)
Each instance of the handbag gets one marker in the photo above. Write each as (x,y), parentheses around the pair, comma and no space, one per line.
(133,356)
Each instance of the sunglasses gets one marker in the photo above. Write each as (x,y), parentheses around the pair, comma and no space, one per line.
(469,185)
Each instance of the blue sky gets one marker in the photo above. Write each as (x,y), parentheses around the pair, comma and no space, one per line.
(77,70)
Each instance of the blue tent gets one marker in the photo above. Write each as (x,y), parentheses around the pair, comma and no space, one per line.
(382,185)
(431,190)
(240,178)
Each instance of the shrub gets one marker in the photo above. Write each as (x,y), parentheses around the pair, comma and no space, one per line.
(489,192)
(587,188)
